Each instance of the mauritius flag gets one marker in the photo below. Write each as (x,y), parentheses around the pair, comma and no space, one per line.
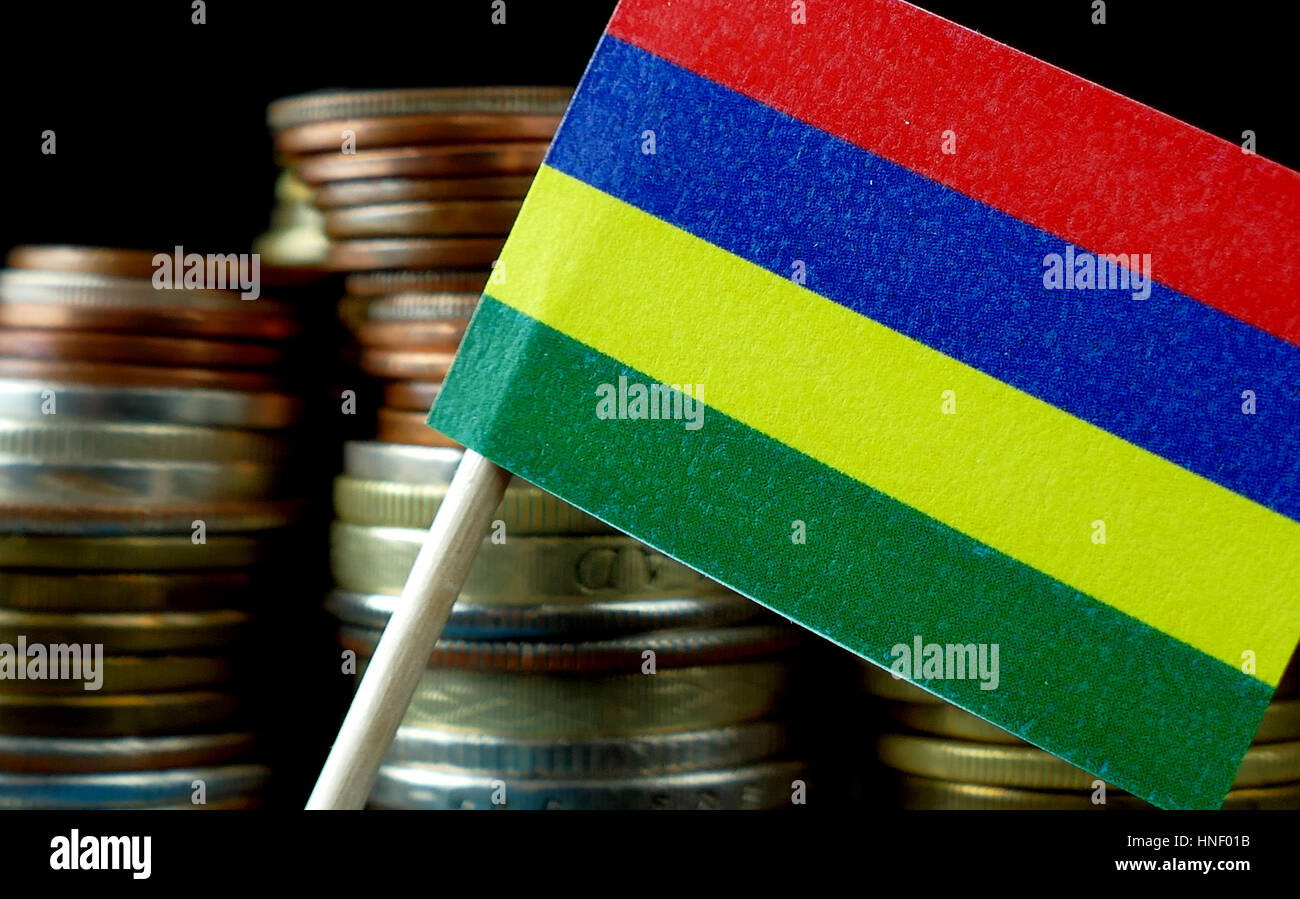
(914,338)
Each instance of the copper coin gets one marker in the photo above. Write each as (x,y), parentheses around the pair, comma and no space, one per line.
(153,320)
(94,260)
(440,333)
(374,284)
(413,364)
(414,396)
(423,219)
(329,105)
(134,375)
(449,161)
(414,252)
(371,191)
(90,347)
(399,426)
(412,130)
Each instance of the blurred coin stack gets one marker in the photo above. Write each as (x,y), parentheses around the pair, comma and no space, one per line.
(296,238)
(418,189)
(942,757)
(141,480)
(579,668)
(535,697)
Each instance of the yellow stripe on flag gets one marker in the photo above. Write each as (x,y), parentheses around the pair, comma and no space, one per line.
(1182,554)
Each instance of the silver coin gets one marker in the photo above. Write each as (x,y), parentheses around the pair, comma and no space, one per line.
(119,291)
(41,401)
(635,754)
(400,462)
(422,306)
(566,620)
(131,482)
(130,789)
(103,520)
(765,786)
(54,441)
(80,755)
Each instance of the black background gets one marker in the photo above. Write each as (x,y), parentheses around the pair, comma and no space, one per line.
(162,141)
(161,123)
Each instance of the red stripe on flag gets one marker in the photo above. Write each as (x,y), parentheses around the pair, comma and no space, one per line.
(1071,157)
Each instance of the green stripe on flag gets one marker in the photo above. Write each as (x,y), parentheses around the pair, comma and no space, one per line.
(873,572)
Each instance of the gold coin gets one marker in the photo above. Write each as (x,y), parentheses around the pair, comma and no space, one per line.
(1281,722)
(929,794)
(134,592)
(126,631)
(949,721)
(685,648)
(524,510)
(1289,683)
(1028,766)
(95,715)
(924,793)
(520,571)
(129,553)
(879,682)
(574,707)
(132,674)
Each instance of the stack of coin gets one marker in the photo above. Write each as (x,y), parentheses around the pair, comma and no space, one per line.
(409,325)
(946,758)
(579,668)
(418,189)
(141,479)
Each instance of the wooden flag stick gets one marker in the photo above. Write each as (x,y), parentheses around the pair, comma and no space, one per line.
(407,642)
